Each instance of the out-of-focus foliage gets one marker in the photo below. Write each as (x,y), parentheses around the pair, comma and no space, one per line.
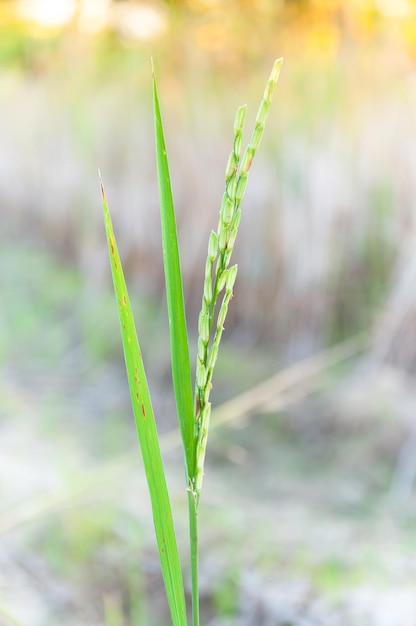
(334,154)
(231,33)
(77,97)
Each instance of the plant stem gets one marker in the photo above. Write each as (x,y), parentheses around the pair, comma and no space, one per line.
(193,539)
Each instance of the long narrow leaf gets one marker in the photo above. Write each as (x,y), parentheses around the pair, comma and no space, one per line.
(181,367)
(149,443)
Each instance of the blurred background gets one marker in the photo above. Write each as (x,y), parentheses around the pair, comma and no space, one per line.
(308,514)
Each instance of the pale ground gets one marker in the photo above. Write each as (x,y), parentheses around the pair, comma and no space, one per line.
(314,521)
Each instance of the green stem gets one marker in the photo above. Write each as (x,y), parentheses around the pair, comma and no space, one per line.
(193,537)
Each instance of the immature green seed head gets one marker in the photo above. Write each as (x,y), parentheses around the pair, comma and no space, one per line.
(201,349)
(201,374)
(212,358)
(238,144)
(257,135)
(203,325)
(221,281)
(236,220)
(208,290)
(271,84)
(240,118)
(263,112)
(201,448)
(212,246)
(223,238)
(208,267)
(232,166)
(227,209)
(247,159)
(231,276)
(231,186)
(241,187)
(207,391)
(222,314)
(231,239)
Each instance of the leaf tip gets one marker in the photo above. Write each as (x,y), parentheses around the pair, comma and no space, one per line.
(102,187)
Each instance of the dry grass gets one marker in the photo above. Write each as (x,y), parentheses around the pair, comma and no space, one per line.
(329,211)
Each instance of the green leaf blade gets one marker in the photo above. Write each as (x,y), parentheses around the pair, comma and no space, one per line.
(148,438)
(181,366)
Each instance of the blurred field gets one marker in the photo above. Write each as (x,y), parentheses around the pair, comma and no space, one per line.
(309,503)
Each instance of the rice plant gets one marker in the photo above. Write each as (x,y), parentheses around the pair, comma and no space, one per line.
(192,402)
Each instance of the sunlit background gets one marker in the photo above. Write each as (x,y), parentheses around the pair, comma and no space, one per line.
(308,511)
